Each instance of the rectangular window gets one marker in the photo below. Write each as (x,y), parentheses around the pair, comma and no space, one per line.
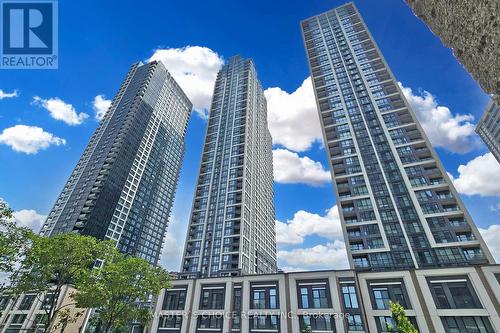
(212,298)
(382,292)
(236,318)
(264,296)
(174,299)
(4,301)
(385,324)
(317,323)
(210,323)
(40,320)
(264,324)
(304,298)
(475,324)
(381,297)
(453,293)
(170,323)
(237,299)
(349,296)
(16,323)
(314,294)
(27,302)
(355,323)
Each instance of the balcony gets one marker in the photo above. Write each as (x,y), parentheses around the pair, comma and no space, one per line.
(474,254)
(465,237)
(358,246)
(458,224)
(368,56)
(436,181)
(348,209)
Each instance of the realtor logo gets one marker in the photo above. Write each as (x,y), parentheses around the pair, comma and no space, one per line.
(29,34)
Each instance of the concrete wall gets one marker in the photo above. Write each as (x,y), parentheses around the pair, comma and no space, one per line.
(472,30)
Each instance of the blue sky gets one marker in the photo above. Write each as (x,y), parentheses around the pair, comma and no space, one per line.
(98,40)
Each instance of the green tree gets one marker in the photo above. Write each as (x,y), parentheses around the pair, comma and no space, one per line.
(399,318)
(54,262)
(118,291)
(14,240)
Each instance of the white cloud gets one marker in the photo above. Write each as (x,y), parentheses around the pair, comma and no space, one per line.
(479,176)
(305,224)
(290,168)
(444,129)
(330,256)
(100,106)
(29,139)
(195,69)
(293,118)
(30,218)
(171,254)
(60,110)
(491,236)
(4,94)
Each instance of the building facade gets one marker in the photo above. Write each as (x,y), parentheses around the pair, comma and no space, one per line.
(29,312)
(123,186)
(488,128)
(450,300)
(231,229)
(398,207)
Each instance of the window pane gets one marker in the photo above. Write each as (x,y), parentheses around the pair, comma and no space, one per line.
(441,299)
(304,298)
(461,295)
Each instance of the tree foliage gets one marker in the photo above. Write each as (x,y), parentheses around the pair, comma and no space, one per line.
(14,240)
(399,318)
(120,287)
(119,290)
(53,262)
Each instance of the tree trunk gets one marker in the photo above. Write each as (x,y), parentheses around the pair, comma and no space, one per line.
(51,316)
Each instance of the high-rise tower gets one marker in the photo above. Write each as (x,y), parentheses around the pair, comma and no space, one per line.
(488,128)
(398,207)
(123,186)
(231,230)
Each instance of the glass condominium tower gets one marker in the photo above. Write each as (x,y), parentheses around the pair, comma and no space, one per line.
(488,128)
(123,186)
(398,207)
(231,230)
